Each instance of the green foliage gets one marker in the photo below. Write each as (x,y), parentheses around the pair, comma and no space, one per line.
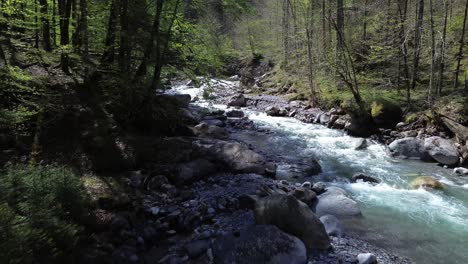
(20,99)
(39,207)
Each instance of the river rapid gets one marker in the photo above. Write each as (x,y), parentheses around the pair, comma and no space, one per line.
(425,225)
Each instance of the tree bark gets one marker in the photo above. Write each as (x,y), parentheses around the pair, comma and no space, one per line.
(45,25)
(460,50)
(442,51)
(433,56)
(54,22)
(154,37)
(124,50)
(340,26)
(109,51)
(84,34)
(64,12)
(160,58)
(418,40)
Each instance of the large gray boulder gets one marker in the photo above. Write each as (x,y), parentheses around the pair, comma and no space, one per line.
(442,150)
(366,258)
(193,170)
(293,217)
(260,244)
(237,157)
(336,202)
(409,148)
(210,131)
(332,225)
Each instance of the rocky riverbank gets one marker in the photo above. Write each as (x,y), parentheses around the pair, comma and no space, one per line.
(208,198)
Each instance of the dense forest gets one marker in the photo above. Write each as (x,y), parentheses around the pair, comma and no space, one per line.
(104,158)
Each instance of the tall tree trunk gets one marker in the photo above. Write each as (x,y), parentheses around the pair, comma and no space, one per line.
(109,51)
(124,51)
(84,34)
(440,82)
(460,50)
(54,22)
(433,56)
(310,57)
(36,26)
(403,11)
(64,12)
(364,28)
(75,25)
(324,34)
(418,42)
(45,25)
(286,33)
(160,58)
(155,36)
(340,26)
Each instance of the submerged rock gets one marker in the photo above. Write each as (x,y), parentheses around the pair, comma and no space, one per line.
(460,170)
(235,113)
(260,244)
(361,144)
(362,177)
(427,182)
(293,217)
(442,150)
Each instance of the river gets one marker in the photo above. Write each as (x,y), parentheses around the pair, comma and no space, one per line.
(424,225)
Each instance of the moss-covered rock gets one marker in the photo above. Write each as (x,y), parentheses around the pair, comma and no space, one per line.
(385,113)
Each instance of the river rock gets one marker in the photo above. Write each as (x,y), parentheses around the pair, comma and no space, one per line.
(193,170)
(332,225)
(361,144)
(181,100)
(210,131)
(442,150)
(293,217)
(366,258)
(340,123)
(408,148)
(214,122)
(237,101)
(197,248)
(365,178)
(305,195)
(319,187)
(235,113)
(386,113)
(237,157)
(324,119)
(260,244)
(335,202)
(427,182)
(460,170)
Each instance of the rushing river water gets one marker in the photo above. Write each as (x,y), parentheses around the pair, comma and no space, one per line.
(426,226)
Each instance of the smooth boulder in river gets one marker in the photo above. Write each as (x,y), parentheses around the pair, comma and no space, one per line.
(408,148)
(336,202)
(332,225)
(238,101)
(442,150)
(260,244)
(293,217)
(210,131)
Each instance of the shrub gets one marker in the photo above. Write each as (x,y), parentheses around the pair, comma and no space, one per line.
(39,210)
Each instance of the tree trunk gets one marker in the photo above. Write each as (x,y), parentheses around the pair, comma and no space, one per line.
(155,36)
(364,28)
(433,56)
(64,12)
(84,35)
(54,22)
(45,25)
(36,28)
(442,51)
(124,50)
(462,44)
(324,34)
(160,58)
(418,40)
(310,57)
(340,26)
(109,50)
(286,33)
